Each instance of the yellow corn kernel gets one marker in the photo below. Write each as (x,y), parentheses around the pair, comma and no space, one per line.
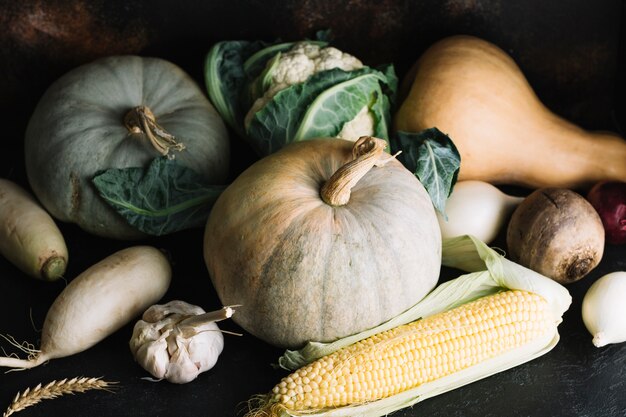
(416,353)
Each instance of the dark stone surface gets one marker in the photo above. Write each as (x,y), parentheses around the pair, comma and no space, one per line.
(574,379)
(572,52)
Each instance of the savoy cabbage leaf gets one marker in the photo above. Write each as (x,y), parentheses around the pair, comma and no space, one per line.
(161,199)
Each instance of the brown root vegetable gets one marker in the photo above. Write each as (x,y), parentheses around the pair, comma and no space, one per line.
(557,233)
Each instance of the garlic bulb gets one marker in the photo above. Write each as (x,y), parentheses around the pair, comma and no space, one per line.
(604,309)
(476,208)
(177,341)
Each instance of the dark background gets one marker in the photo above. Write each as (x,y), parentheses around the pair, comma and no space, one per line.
(573,53)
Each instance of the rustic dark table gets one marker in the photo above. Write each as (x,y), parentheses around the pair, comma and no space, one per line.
(573,53)
(574,379)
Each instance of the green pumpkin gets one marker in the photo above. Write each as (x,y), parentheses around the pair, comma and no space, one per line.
(118,112)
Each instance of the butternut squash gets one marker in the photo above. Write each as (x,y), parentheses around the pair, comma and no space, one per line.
(473,91)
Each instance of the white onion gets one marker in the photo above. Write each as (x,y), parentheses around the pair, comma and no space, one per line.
(604,309)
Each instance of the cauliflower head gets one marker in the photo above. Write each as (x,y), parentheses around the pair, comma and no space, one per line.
(298,64)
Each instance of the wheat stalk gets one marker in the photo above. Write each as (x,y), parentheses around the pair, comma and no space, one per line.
(54,389)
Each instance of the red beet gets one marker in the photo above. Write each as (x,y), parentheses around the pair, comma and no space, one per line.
(609,200)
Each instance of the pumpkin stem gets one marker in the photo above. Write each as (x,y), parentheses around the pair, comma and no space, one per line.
(140,119)
(367,152)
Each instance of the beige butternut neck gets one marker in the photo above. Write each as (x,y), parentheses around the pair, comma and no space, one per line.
(474,92)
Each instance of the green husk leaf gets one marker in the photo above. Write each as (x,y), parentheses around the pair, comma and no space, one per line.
(434,159)
(490,272)
(163,198)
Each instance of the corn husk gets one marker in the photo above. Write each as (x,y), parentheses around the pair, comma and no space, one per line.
(489,272)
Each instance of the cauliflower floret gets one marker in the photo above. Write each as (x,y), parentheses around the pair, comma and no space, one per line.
(361,125)
(298,64)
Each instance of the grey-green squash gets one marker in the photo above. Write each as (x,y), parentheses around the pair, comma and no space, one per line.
(322,239)
(118,112)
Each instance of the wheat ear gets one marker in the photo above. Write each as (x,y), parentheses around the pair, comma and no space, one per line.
(55,389)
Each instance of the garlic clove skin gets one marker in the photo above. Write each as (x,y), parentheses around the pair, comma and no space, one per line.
(153,357)
(194,355)
(180,368)
(159,312)
(604,309)
(205,348)
(178,341)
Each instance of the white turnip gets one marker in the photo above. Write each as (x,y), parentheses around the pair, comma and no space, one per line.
(98,302)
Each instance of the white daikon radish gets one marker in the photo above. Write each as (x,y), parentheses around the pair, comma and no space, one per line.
(29,237)
(98,302)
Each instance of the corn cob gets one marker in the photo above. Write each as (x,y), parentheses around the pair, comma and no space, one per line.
(413,354)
